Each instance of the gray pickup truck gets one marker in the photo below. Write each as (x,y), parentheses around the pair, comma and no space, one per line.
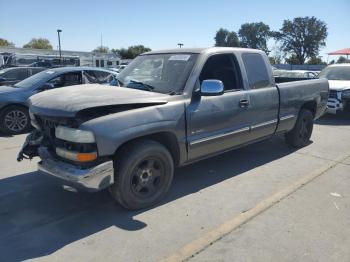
(169,108)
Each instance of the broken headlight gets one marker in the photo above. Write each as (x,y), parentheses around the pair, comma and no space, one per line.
(74,135)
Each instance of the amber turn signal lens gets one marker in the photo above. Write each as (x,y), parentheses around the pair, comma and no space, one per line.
(86,157)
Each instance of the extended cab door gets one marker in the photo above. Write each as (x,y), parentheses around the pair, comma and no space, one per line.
(217,123)
(262,110)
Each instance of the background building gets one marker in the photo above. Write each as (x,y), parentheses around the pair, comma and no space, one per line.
(27,56)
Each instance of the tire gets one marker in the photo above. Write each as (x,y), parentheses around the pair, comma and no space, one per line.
(300,135)
(143,174)
(15,120)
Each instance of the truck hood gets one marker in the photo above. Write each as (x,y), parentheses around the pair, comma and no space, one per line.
(339,85)
(68,101)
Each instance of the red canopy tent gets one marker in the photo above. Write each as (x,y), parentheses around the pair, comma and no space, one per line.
(345,51)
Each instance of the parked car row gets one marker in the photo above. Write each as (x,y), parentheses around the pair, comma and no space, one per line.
(14,115)
(304,74)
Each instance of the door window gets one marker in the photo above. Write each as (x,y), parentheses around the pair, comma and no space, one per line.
(16,74)
(223,67)
(68,79)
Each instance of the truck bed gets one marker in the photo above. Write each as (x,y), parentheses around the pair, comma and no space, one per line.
(295,94)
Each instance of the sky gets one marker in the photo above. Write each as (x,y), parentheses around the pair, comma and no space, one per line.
(159,24)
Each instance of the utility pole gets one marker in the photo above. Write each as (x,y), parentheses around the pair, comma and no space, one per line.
(59,44)
(180,44)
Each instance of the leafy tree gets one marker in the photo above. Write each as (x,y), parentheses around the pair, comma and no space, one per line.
(341,60)
(225,38)
(276,55)
(315,61)
(38,43)
(273,60)
(292,60)
(131,52)
(4,42)
(101,49)
(302,38)
(254,35)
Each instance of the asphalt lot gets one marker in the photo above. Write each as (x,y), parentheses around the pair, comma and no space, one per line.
(42,221)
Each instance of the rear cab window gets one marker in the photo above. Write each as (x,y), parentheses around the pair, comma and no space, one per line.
(256,70)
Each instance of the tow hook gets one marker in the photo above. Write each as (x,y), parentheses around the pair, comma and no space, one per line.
(30,146)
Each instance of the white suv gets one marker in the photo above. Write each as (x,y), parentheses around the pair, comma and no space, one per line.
(339,87)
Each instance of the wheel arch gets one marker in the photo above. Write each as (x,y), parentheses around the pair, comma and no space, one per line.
(13,104)
(165,138)
(311,106)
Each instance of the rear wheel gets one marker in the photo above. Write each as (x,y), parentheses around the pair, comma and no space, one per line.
(300,135)
(142,175)
(14,120)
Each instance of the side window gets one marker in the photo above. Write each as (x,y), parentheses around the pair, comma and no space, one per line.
(257,74)
(36,70)
(22,73)
(103,77)
(68,79)
(223,67)
(16,74)
(89,77)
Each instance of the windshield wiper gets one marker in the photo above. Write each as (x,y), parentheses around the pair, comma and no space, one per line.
(145,86)
(116,82)
(172,93)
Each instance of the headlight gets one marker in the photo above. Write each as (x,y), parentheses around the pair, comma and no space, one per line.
(345,94)
(74,135)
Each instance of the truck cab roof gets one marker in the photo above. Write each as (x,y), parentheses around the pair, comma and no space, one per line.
(207,50)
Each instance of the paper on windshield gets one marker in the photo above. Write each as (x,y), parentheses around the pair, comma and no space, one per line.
(180,57)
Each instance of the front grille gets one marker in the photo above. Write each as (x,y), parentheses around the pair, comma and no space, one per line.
(48,126)
(333,94)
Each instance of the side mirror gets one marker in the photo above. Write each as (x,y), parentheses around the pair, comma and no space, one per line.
(46,86)
(212,88)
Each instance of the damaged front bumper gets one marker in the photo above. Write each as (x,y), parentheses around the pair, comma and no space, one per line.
(91,179)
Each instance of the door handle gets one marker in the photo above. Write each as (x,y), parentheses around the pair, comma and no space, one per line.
(243,103)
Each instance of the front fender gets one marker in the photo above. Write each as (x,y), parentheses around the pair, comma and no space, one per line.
(114,130)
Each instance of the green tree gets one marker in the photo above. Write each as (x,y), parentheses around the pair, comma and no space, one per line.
(292,60)
(226,38)
(38,43)
(276,55)
(341,60)
(302,38)
(131,52)
(101,49)
(273,60)
(4,42)
(254,35)
(316,61)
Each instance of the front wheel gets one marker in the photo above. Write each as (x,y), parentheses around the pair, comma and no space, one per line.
(300,135)
(14,120)
(143,174)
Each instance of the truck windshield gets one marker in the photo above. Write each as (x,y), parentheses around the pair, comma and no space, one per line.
(336,73)
(162,73)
